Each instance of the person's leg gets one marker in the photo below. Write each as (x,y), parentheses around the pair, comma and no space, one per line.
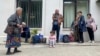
(92,36)
(16,50)
(9,51)
(58,31)
(75,35)
(50,43)
(53,44)
(89,32)
(81,37)
(26,39)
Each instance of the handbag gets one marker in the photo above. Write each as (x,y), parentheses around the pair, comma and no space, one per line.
(94,26)
(9,29)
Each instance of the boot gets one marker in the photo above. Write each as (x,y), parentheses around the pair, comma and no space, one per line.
(16,51)
(8,52)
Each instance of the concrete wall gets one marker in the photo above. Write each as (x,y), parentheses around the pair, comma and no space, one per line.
(95,11)
(7,7)
(49,6)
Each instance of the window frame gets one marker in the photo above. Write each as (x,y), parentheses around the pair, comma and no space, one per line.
(75,8)
(29,9)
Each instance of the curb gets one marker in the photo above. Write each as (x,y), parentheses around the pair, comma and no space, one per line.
(67,44)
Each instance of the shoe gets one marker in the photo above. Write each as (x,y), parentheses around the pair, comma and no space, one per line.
(17,51)
(9,53)
(53,46)
(92,42)
(26,42)
(50,46)
(81,42)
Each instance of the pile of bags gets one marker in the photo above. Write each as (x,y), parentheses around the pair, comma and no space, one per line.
(38,39)
(67,38)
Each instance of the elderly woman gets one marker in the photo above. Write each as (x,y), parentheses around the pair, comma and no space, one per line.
(13,31)
(89,21)
(26,32)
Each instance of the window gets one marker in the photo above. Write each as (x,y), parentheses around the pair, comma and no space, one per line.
(32,12)
(70,9)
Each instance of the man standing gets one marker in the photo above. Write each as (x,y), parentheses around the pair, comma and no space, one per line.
(13,31)
(57,20)
(82,26)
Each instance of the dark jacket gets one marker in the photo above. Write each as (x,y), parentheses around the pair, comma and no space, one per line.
(26,33)
(13,20)
(82,24)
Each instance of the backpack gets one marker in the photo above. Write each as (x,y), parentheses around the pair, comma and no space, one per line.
(71,37)
(36,39)
(43,40)
(66,39)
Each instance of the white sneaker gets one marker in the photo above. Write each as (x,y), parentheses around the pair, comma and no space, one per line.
(53,46)
(90,41)
(50,46)
(93,42)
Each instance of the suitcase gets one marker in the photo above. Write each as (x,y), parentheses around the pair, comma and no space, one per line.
(66,39)
(43,40)
(71,38)
(36,39)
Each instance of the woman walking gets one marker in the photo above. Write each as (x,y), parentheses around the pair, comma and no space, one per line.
(13,31)
(89,21)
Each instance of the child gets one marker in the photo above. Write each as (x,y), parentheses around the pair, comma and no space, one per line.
(52,39)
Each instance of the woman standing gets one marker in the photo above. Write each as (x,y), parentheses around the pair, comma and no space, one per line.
(89,21)
(13,31)
(75,28)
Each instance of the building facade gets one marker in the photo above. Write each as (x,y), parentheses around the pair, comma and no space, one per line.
(38,13)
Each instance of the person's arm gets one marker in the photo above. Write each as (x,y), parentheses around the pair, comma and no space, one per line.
(72,25)
(93,20)
(61,18)
(53,17)
(12,21)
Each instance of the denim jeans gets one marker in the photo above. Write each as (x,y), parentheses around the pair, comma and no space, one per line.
(57,29)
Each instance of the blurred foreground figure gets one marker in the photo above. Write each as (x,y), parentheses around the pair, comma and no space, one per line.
(13,31)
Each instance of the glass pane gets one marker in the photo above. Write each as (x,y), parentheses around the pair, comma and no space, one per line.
(82,5)
(24,5)
(68,13)
(32,12)
(35,19)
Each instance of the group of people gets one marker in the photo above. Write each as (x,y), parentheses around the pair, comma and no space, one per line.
(15,29)
(79,25)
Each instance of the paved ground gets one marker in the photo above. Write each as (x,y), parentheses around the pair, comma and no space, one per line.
(72,49)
